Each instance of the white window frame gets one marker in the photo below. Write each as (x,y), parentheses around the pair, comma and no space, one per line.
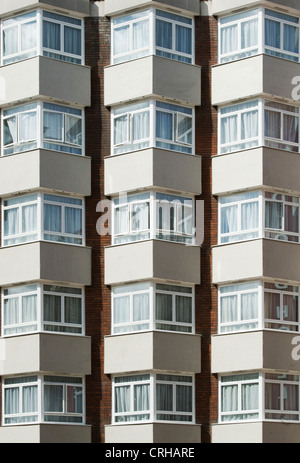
(263,378)
(40,201)
(152,380)
(39,325)
(152,288)
(153,232)
(40,381)
(39,49)
(152,14)
(286,110)
(261,14)
(153,141)
(40,142)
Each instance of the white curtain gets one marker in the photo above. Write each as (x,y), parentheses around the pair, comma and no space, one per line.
(272,124)
(229,129)
(10,41)
(164,397)
(274,215)
(11,400)
(140,307)
(11,222)
(183,39)
(140,217)
(249,125)
(291,38)
(28,35)
(121,40)
(72,40)
(141,398)
(10,131)
(53,126)
(164,125)
(249,396)
(229,39)
(229,309)
(121,126)
(122,399)
(11,311)
(229,398)
(30,398)
(183,309)
(272,33)
(164,35)
(73,310)
(52,218)
(73,221)
(29,218)
(121,220)
(121,309)
(249,219)
(229,219)
(249,306)
(140,126)
(53,398)
(140,34)
(249,30)
(51,35)
(27,126)
(29,308)
(164,307)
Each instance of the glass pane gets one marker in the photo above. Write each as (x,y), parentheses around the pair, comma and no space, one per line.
(52,308)
(291,38)
(11,222)
(51,35)
(141,397)
(230,398)
(229,219)
(290,308)
(11,400)
(121,309)
(183,309)
(121,40)
(30,403)
(29,218)
(249,396)
(274,215)
(140,34)
(121,129)
(73,221)
(27,126)
(53,398)
(229,129)
(272,305)
(272,124)
(229,309)
(291,219)
(291,397)
(73,130)
(140,217)
(272,396)
(122,399)
(184,129)
(11,311)
(140,307)
(291,128)
(272,33)
(163,34)
(52,218)
(53,126)
(74,399)
(229,39)
(183,39)
(249,306)
(72,38)
(164,125)
(184,399)
(249,217)
(73,310)
(29,308)
(164,307)
(249,31)
(164,397)
(10,41)
(10,130)
(140,126)
(28,35)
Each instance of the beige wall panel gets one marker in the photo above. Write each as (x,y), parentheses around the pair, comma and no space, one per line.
(45,261)
(256,433)
(78,7)
(153,433)
(152,76)
(45,434)
(50,170)
(114,7)
(152,350)
(151,168)
(149,259)
(228,6)
(41,77)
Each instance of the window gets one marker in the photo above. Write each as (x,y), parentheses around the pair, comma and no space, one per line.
(133,398)
(61,396)
(241,217)
(61,127)
(145,306)
(151,32)
(281,126)
(152,215)
(62,219)
(133,127)
(265,396)
(42,33)
(259,31)
(258,305)
(35,307)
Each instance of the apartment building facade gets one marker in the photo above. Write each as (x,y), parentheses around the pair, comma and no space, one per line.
(150,199)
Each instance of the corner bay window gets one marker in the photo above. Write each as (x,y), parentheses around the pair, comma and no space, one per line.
(42,125)
(258,123)
(42,33)
(152,32)
(259,31)
(152,215)
(258,214)
(42,217)
(152,124)
(153,397)
(35,307)
(146,306)
(56,399)
(242,397)
(258,305)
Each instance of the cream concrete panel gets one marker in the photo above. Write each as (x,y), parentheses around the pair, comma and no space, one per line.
(149,259)
(115,7)
(267,258)
(53,262)
(153,350)
(220,7)
(153,433)
(46,434)
(79,7)
(49,170)
(273,350)
(152,76)
(252,77)
(42,352)
(45,78)
(254,169)
(256,433)
(153,168)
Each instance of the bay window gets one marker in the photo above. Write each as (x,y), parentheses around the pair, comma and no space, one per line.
(39,399)
(153,397)
(42,217)
(259,396)
(42,125)
(36,307)
(258,214)
(257,31)
(152,215)
(152,124)
(42,33)
(258,305)
(151,32)
(148,306)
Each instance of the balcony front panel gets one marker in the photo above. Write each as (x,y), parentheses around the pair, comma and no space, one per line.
(46,434)
(255,350)
(152,350)
(220,7)
(46,261)
(114,7)
(256,259)
(256,168)
(80,7)
(62,354)
(153,168)
(44,78)
(150,259)
(152,76)
(48,170)
(153,433)
(256,433)
(251,77)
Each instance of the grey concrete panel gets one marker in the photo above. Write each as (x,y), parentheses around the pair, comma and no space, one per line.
(80,7)
(229,6)
(46,434)
(115,7)
(153,433)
